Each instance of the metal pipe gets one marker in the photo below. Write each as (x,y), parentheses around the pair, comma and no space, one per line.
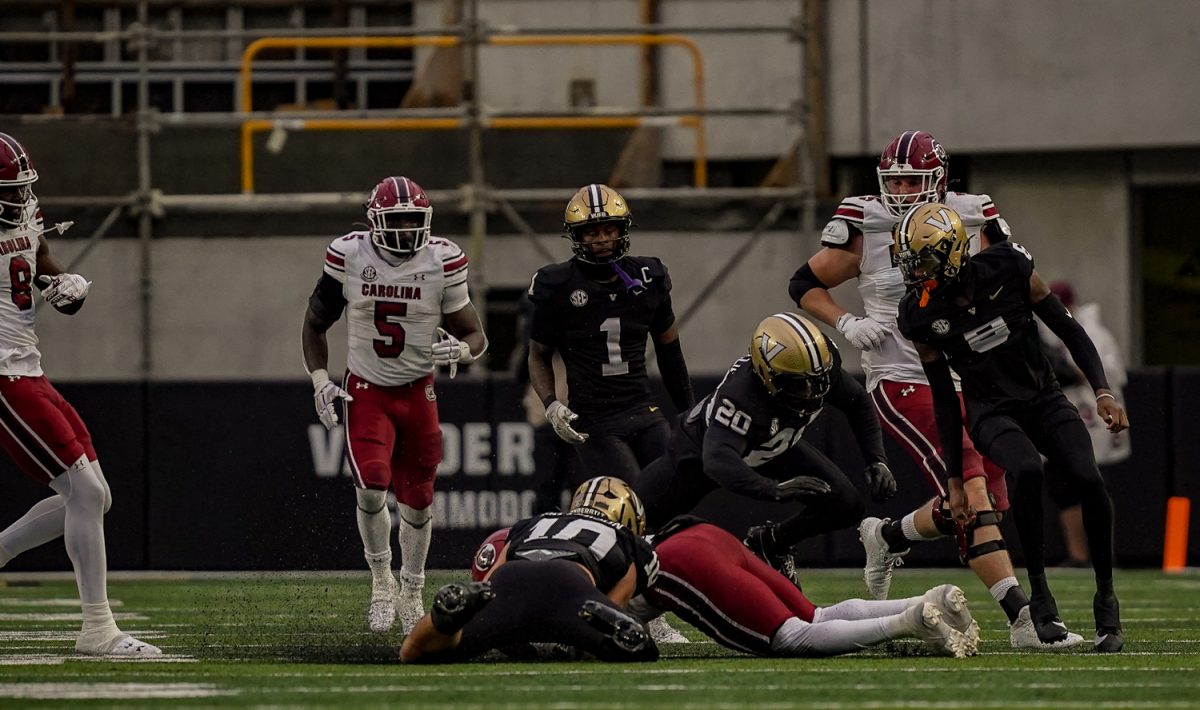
(109,220)
(145,124)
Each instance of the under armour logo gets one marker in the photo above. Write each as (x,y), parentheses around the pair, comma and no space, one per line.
(361,385)
(13,378)
(907,391)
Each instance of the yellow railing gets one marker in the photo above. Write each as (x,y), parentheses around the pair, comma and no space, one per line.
(252,126)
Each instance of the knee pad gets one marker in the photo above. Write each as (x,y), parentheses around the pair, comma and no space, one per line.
(415,518)
(371,501)
(417,496)
(104,482)
(982,519)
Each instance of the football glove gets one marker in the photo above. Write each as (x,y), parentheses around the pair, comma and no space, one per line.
(449,350)
(800,487)
(325,394)
(560,419)
(64,289)
(863,333)
(880,481)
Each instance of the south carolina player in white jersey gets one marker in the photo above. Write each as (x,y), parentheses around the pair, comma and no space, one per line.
(398,284)
(913,169)
(41,431)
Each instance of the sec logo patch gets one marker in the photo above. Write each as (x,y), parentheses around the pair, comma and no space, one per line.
(430,394)
(941,326)
(579,298)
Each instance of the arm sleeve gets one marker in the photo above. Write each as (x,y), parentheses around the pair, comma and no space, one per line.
(947,414)
(664,315)
(803,281)
(541,316)
(327,300)
(852,398)
(1056,317)
(673,369)
(723,463)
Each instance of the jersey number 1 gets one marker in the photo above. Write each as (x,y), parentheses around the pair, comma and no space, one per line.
(611,327)
(392,343)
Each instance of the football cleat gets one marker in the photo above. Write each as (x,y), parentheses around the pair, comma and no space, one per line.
(120,646)
(456,604)
(877,572)
(760,539)
(626,632)
(662,632)
(1109,637)
(381,614)
(409,605)
(928,625)
(952,604)
(1023,634)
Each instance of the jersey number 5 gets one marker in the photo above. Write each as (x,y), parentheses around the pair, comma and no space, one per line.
(392,343)
(21,277)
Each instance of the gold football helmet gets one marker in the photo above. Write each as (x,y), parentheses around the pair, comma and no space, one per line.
(612,499)
(597,204)
(794,359)
(929,244)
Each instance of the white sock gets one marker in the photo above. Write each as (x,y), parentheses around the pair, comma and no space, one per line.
(98,618)
(43,523)
(858,609)
(1000,589)
(375,528)
(908,525)
(416,530)
(829,638)
(83,529)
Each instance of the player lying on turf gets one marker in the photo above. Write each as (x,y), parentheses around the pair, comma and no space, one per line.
(561,578)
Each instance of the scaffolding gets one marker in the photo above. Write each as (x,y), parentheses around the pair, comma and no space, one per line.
(137,44)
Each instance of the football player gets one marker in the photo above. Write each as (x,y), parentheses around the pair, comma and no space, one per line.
(596,310)
(856,244)
(746,437)
(559,578)
(711,580)
(41,432)
(975,314)
(397,284)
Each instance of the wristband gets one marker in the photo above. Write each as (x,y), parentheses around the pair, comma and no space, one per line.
(1106,394)
(548,400)
(319,377)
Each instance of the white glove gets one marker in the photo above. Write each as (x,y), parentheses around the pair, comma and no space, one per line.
(449,350)
(64,289)
(862,332)
(325,393)
(560,419)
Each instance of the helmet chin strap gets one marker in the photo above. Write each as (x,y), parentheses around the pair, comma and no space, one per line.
(632,285)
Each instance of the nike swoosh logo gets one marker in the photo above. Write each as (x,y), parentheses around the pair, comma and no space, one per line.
(654,409)
(997,293)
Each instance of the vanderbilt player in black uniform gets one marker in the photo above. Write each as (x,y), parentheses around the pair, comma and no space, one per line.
(596,311)
(975,314)
(746,437)
(561,578)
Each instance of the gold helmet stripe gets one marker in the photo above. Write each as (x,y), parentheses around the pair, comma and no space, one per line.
(591,491)
(597,198)
(904,239)
(807,338)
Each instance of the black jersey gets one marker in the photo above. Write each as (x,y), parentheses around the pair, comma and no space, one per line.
(984,325)
(604,547)
(600,329)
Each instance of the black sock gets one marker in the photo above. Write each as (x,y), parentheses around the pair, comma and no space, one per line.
(893,535)
(1013,602)
(1104,587)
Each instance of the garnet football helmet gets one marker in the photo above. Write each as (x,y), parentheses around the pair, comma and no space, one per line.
(592,205)
(794,360)
(400,216)
(913,154)
(610,498)
(929,245)
(488,553)
(17,202)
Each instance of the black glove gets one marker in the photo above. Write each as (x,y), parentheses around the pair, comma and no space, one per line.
(880,481)
(800,487)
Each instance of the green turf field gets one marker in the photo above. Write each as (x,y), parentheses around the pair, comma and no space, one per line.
(301,640)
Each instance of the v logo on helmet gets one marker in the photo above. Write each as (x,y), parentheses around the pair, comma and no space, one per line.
(941,220)
(768,348)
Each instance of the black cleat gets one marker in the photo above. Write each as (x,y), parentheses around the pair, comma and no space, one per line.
(760,539)
(456,604)
(1043,610)
(626,632)
(1109,637)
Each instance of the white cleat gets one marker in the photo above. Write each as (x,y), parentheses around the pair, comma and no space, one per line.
(952,604)
(409,603)
(1022,634)
(381,615)
(939,636)
(877,573)
(121,645)
(662,632)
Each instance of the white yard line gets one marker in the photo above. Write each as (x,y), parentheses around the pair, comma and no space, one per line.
(110,691)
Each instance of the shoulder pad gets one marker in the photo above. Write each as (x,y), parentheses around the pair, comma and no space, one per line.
(836,233)
(547,279)
(853,209)
(653,263)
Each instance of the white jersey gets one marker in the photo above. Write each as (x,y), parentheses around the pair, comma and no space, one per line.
(393,311)
(881,284)
(18,273)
